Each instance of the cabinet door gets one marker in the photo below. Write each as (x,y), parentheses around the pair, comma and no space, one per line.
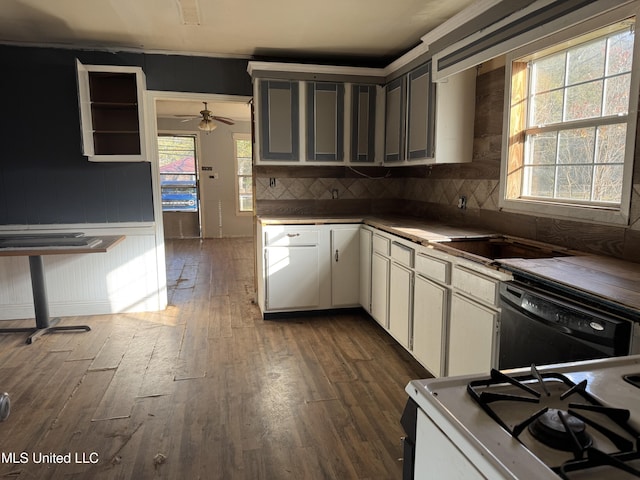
(279,120)
(363,121)
(420,120)
(400,303)
(472,337)
(111,101)
(429,320)
(395,121)
(292,277)
(345,270)
(325,121)
(365,268)
(380,289)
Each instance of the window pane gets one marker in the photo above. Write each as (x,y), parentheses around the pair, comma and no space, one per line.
(246,203)
(176,154)
(576,146)
(574,182)
(620,53)
(244,166)
(586,62)
(547,108)
(607,184)
(548,73)
(539,181)
(616,101)
(584,101)
(244,185)
(243,148)
(543,149)
(611,142)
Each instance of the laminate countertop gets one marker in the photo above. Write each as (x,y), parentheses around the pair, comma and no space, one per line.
(607,278)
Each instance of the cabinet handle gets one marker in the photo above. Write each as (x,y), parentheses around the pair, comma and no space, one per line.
(337,256)
(293,234)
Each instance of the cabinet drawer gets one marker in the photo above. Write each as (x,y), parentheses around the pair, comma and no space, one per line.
(402,254)
(481,287)
(278,236)
(434,268)
(381,244)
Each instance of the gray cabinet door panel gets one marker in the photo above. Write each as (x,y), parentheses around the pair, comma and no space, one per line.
(363,111)
(395,121)
(325,121)
(420,101)
(279,124)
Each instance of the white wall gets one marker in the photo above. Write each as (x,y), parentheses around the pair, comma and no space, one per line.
(219,217)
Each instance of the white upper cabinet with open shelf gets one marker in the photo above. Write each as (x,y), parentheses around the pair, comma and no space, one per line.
(112,112)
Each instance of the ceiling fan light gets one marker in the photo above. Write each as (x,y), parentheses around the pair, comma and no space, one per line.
(207,125)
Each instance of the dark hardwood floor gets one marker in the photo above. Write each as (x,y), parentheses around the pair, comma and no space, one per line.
(206,389)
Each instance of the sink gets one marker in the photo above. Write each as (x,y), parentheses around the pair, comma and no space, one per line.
(496,247)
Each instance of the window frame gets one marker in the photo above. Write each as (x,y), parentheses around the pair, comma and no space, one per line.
(236,137)
(513,140)
(196,153)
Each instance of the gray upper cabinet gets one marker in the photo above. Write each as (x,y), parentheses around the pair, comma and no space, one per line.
(410,117)
(421,113)
(395,121)
(325,122)
(363,121)
(279,120)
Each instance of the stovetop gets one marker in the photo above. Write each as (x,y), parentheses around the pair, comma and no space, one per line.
(499,418)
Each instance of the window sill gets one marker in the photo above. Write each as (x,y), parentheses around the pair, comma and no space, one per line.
(605,216)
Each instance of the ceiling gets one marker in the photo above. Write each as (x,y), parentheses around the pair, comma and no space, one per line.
(333,28)
(367,30)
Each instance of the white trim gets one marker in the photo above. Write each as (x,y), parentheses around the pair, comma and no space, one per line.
(576,212)
(253,67)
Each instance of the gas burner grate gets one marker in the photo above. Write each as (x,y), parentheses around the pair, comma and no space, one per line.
(559,428)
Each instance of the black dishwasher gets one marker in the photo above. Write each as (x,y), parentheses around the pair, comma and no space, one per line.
(541,326)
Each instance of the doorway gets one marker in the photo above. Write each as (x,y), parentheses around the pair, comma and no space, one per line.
(217,170)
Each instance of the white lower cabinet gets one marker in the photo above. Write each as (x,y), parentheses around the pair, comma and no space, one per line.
(380,267)
(345,266)
(430,314)
(365,268)
(473,335)
(400,303)
(308,267)
(292,277)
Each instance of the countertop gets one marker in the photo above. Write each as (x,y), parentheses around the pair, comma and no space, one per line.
(607,278)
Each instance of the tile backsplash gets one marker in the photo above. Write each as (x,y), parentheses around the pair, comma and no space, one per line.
(480,193)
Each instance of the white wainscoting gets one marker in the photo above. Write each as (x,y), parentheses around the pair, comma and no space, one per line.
(130,277)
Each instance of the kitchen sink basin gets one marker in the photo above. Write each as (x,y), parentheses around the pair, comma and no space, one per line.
(493,248)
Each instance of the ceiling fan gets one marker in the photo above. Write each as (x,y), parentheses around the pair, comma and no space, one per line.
(207,119)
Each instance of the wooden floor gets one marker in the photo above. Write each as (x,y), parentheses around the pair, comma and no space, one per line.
(206,389)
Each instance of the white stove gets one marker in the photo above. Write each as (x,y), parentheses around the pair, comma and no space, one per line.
(506,424)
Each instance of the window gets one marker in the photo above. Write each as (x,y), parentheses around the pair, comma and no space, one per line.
(244,184)
(178,174)
(571,131)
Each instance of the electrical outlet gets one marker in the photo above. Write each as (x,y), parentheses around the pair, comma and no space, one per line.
(272,182)
(334,194)
(462,202)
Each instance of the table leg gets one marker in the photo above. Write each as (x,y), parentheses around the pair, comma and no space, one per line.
(40,305)
(43,323)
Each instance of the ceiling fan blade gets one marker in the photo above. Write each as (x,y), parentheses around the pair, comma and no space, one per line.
(226,120)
